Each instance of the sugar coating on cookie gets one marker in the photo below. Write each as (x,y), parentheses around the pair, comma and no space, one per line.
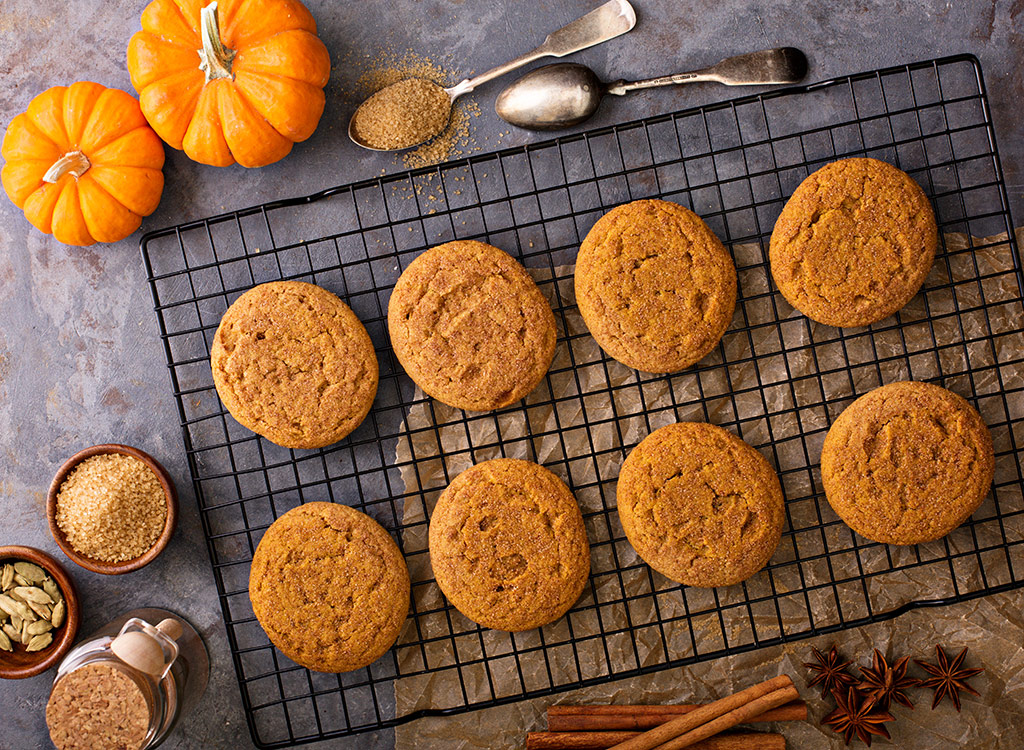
(699,505)
(330,587)
(655,286)
(907,463)
(508,545)
(470,327)
(294,364)
(854,243)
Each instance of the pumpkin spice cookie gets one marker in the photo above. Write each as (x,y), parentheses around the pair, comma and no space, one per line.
(508,546)
(854,243)
(471,327)
(655,286)
(330,587)
(907,463)
(294,364)
(699,505)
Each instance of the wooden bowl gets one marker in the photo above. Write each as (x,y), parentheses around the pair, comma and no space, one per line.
(101,566)
(20,663)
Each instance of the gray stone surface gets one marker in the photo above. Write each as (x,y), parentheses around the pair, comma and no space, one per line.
(80,361)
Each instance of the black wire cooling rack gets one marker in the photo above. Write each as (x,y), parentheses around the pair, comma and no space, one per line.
(776,379)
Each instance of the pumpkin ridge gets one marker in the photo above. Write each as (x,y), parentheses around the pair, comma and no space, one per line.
(204,138)
(68,222)
(191,19)
(169,41)
(76,128)
(23,177)
(96,185)
(100,159)
(242,61)
(298,16)
(162,19)
(39,205)
(290,128)
(152,58)
(93,223)
(20,133)
(35,132)
(46,113)
(113,109)
(140,204)
(152,98)
(253,115)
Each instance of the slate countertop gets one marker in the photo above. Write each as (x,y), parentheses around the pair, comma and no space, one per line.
(80,358)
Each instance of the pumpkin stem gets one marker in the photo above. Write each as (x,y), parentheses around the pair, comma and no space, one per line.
(74,162)
(215,58)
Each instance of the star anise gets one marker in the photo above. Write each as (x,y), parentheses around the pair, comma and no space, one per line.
(858,716)
(830,672)
(948,678)
(884,684)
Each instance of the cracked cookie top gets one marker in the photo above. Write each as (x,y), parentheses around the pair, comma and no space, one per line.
(470,327)
(699,505)
(329,586)
(655,286)
(907,463)
(508,546)
(854,243)
(294,364)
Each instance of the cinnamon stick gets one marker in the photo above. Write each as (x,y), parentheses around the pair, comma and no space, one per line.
(604,740)
(716,717)
(633,718)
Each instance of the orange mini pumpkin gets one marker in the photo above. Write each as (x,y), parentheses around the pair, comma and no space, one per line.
(242,83)
(82,163)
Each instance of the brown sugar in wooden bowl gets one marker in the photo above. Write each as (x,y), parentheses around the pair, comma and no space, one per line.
(14,665)
(103,566)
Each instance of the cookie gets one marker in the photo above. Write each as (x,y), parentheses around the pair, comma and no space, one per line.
(699,505)
(655,286)
(330,587)
(292,363)
(854,243)
(508,546)
(907,463)
(470,326)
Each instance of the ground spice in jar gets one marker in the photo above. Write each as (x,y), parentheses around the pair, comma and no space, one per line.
(402,115)
(111,507)
(97,706)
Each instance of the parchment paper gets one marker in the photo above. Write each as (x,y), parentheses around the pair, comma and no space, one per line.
(992,627)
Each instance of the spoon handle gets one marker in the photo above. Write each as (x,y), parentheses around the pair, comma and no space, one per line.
(768,66)
(610,20)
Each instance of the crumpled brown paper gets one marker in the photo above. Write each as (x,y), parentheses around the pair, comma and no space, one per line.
(440,445)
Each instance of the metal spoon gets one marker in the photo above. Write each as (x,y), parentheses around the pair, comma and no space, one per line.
(608,21)
(565,94)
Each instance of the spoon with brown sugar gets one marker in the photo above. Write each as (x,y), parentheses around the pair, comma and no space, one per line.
(414,110)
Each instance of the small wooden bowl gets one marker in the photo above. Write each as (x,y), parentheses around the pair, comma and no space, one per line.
(101,566)
(20,663)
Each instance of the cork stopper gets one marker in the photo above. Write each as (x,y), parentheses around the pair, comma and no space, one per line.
(148,649)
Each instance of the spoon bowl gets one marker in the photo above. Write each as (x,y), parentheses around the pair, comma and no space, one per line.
(555,96)
(453,93)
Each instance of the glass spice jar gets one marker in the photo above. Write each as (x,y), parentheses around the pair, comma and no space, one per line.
(129,683)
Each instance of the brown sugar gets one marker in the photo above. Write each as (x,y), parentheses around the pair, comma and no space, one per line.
(97,706)
(111,507)
(402,115)
(390,67)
